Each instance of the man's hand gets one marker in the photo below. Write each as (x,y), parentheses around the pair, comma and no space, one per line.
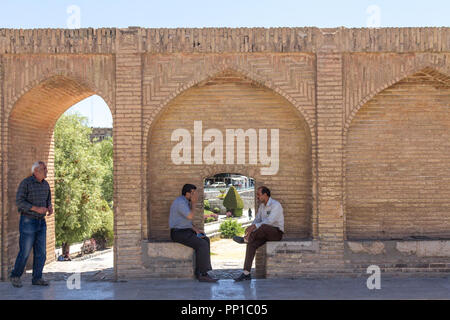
(248,231)
(194,197)
(41,210)
(197,230)
(50,211)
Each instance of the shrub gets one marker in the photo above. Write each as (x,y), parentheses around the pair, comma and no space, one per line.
(209,219)
(221,196)
(233,202)
(237,212)
(209,216)
(216,210)
(89,246)
(206,205)
(230,228)
(104,235)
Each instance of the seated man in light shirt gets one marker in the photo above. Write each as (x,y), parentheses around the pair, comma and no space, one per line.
(267,226)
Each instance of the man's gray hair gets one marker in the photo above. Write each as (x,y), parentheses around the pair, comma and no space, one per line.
(36,165)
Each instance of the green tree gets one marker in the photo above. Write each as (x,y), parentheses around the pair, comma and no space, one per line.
(80,206)
(105,152)
(233,202)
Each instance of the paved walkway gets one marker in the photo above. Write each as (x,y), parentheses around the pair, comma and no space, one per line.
(260,289)
(96,282)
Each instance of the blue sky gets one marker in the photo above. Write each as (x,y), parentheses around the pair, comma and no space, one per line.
(29,14)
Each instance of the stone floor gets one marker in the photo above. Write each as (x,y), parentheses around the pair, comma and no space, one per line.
(96,282)
(227,289)
(227,258)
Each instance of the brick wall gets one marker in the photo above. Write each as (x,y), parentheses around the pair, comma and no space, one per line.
(39,90)
(230,101)
(397,162)
(30,137)
(355,107)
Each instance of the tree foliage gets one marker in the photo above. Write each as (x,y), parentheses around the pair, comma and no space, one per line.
(83,181)
(233,202)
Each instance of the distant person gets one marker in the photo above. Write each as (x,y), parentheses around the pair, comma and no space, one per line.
(182,231)
(267,226)
(33,201)
(249,213)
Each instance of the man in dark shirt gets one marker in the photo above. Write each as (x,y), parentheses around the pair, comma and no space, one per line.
(33,201)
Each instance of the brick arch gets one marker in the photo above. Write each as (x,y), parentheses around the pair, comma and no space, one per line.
(29,119)
(422,68)
(48,74)
(414,100)
(295,156)
(226,65)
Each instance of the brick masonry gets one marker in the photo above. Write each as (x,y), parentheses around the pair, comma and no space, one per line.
(355,108)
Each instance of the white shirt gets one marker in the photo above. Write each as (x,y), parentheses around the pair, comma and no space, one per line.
(271,214)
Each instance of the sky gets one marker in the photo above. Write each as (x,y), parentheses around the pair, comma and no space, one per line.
(30,14)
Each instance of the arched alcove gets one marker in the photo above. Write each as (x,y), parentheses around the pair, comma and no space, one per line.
(29,137)
(230,101)
(397,152)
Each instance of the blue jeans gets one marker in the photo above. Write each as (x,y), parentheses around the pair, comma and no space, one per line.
(32,235)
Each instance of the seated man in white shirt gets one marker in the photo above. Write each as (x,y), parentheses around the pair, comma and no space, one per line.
(267,226)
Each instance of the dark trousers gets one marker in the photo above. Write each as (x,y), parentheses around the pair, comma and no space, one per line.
(32,236)
(189,238)
(256,239)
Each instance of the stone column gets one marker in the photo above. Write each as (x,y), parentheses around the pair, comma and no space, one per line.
(330,148)
(127,134)
(3,262)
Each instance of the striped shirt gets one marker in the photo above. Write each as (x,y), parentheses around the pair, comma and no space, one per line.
(30,193)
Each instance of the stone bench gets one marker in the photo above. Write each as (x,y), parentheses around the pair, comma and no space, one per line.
(168,259)
(286,258)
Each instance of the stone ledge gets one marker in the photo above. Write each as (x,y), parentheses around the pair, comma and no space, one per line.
(400,248)
(168,259)
(291,246)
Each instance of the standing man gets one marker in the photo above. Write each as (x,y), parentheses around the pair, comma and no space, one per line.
(34,201)
(182,231)
(267,226)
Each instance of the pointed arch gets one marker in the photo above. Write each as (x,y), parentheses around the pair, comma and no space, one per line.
(395,154)
(246,101)
(30,116)
(200,77)
(429,69)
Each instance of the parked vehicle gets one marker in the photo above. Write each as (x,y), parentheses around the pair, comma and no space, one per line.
(218,185)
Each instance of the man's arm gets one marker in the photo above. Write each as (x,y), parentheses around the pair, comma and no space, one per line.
(21,200)
(254,226)
(193,203)
(275,212)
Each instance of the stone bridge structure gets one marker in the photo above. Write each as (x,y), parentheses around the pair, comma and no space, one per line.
(364,135)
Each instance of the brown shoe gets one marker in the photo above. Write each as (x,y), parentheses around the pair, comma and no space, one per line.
(206,278)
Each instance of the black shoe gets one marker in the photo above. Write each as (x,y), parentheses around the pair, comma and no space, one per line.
(40,282)
(239,240)
(243,277)
(15,281)
(206,278)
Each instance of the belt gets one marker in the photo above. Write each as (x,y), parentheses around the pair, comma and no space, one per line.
(177,229)
(32,216)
